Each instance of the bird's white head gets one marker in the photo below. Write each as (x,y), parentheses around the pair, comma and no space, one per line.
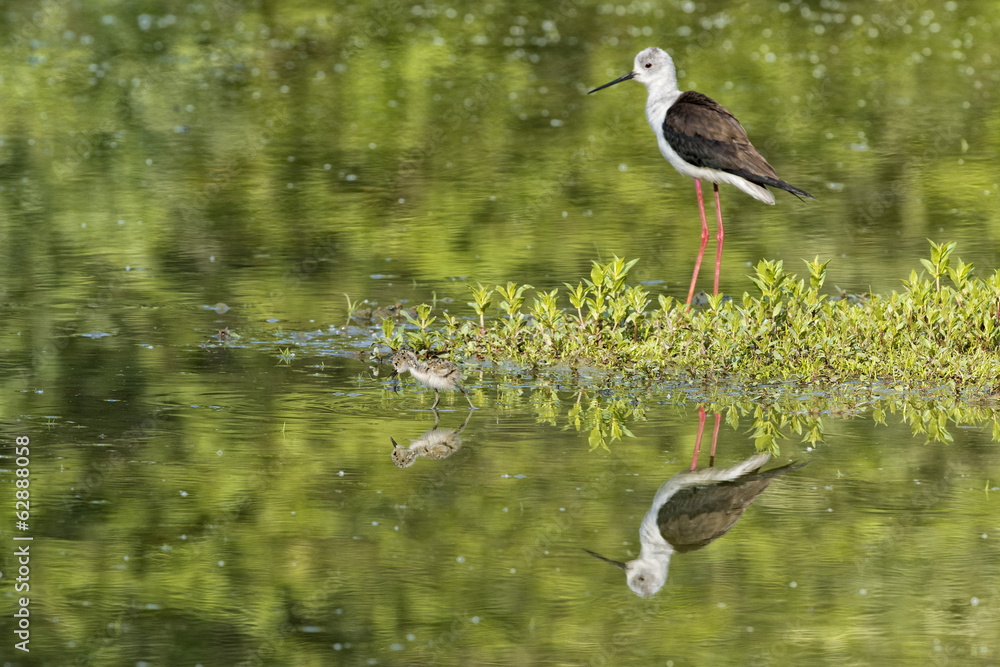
(653,68)
(645,575)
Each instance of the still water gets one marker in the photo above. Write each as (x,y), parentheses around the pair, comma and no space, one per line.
(236,510)
(187,194)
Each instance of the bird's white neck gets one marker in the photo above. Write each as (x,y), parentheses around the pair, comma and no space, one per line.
(656,108)
(652,543)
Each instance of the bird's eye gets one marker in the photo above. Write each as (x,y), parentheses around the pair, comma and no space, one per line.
(648,65)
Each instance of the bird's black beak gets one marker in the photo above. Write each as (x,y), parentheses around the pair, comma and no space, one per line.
(393,374)
(394,443)
(618,80)
(616,563)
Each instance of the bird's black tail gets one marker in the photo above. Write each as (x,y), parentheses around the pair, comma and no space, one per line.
(766,181)
(781,470)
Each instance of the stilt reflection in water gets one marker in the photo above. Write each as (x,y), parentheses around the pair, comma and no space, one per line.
(691,510)
(701,431)
(436,443)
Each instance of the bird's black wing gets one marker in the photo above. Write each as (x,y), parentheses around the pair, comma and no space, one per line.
(703,133)
(698,515)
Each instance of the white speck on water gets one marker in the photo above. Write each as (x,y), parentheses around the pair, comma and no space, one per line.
(460,559)
(372,146)
(513,571)
(974,602)
(475,619)
(829,509)
(222,563)
(396,647)
(340,474)
(721,605)
(184,494)
(555,122)
(350,177)
(622,167)
(984,536)
(793,585)
(374,523)
(863,592)
(338,646)
(328,166)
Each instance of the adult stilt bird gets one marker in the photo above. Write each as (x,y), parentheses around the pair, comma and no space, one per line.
(701,139)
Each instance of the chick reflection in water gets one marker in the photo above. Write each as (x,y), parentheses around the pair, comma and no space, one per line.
(436,443)
(691,510)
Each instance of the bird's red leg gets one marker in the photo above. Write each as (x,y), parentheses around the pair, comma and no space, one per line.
(715,439)
(697,440)
(719,235)
(704,239)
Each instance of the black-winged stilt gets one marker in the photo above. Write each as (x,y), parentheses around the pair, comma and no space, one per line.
(435,373)
(691,510)
(701,139)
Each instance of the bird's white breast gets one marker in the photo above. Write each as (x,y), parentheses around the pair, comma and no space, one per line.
(433,378)
(656,113)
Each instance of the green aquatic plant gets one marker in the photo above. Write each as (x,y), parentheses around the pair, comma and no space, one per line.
(939,333)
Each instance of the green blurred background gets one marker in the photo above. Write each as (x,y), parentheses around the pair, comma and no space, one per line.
(169,170)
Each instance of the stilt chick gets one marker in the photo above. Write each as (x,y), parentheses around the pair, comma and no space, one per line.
(436,373)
